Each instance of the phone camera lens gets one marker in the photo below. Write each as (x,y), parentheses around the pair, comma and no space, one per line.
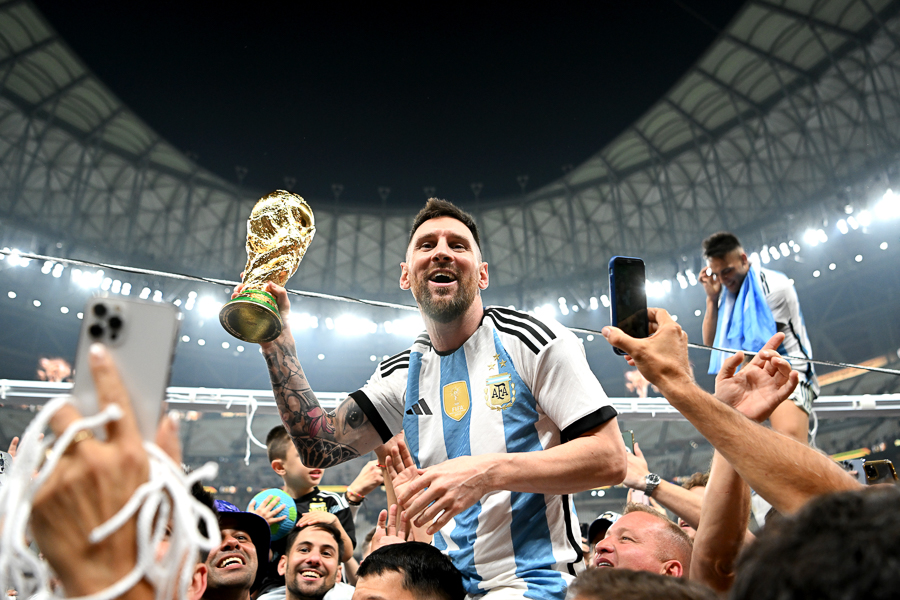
(96,331)
(100,310)
(115,322)
(871,471)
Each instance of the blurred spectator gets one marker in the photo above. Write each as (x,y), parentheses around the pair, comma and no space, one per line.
(624,584)
(311,568)
(844,545)
(637,383)
(596,531)
(409,571)
(54,369)
(234,566)
(645,540)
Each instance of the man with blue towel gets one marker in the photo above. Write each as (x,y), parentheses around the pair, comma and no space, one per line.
(745,305)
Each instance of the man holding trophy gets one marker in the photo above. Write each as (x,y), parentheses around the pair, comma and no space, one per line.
(502,416)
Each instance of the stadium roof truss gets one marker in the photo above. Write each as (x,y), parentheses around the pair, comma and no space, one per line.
(794,102)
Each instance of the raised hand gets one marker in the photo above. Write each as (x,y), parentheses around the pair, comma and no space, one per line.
(637,470)
(761,385)
(268,509)
(390,529)
(711,284)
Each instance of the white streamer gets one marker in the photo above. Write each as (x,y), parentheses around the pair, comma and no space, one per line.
(252,406)
(162,502)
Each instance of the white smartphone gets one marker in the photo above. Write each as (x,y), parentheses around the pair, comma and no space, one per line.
(140,337)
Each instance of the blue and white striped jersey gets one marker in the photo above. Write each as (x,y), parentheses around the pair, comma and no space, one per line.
(519,384)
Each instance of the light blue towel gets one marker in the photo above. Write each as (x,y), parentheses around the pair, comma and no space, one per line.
(745,322)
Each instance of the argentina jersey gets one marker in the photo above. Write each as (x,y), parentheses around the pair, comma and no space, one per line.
(518,384)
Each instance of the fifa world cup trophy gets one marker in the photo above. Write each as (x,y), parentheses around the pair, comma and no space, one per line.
(279,231)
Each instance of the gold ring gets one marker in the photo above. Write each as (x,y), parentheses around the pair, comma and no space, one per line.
(84,434)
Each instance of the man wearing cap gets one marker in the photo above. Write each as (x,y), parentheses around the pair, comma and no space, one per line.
(597,531)
(234,565)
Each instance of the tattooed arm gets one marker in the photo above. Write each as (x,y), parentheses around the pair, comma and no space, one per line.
(322,439)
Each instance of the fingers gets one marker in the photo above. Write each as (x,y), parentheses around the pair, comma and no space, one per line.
(403,452)
(619,339)
(403,530)
(167,438)
(65,416)
(281,296)
(111,390)
(13,446)
(730,365)
(252,506)
(382,519)
(637,450)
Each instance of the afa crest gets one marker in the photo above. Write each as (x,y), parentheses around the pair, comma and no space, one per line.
(500,391)
(456,400)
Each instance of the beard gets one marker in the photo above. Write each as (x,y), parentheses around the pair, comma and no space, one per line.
(443,304)
(302,590)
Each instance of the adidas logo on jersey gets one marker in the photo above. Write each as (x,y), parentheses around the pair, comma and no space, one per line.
(419,408)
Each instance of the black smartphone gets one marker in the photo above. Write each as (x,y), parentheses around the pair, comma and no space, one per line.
(628,297)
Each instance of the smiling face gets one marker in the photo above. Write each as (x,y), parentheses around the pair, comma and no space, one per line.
(233,564)
(311,564)
(443,269)
(637,542)
(730,269)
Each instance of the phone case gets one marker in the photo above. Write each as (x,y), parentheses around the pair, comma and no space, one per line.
(141,338)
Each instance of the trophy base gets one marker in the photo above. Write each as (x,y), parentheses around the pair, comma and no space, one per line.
(252,317)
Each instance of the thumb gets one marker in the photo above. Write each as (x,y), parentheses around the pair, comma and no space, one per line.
(618,338)
(167,438)
(730,365)
(637,450)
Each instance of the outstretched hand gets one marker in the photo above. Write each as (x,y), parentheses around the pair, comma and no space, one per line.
(663,357)
(761,385)
(390,529)
(268,509)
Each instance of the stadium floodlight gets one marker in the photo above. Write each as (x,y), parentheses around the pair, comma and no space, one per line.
(352,325)
(865,218)
(407,327)
(604,300)
(594,304)
(785,250)
(208,307)
(692,279)
(563,309)
(842,226)
(889,206)
(126,289)
(773,252)
(545,312)
(764,255)
(116,286)
(58,270)
(106,284)
(145,293)
(48,265)
(811,238)
(755,258)
(682,280)
(656,289)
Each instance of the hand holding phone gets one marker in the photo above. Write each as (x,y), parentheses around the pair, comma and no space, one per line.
(140,337)
(628,297)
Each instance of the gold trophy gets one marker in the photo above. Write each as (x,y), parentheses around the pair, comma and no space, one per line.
(279,231)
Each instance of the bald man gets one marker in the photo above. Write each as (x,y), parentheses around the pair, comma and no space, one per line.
(645,540)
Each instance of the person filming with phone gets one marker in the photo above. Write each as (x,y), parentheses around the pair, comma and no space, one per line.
(745,306)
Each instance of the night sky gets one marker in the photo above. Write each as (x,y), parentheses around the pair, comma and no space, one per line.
(402,97)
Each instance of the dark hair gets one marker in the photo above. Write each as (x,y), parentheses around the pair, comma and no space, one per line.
(276,443)
(719,244)
(332,529)
(698,479)
(427,572)
(842,545)
(204,497)
(434,208)
(624,584)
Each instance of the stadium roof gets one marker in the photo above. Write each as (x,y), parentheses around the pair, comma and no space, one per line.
(794,102)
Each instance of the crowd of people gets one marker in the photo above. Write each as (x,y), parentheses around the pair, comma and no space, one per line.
(483,430)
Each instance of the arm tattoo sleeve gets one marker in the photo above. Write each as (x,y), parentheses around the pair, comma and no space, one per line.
(322,439)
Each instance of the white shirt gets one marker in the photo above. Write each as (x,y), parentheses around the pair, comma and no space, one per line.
(518,384)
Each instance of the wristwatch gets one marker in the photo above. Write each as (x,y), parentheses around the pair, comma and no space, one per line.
(651,480)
